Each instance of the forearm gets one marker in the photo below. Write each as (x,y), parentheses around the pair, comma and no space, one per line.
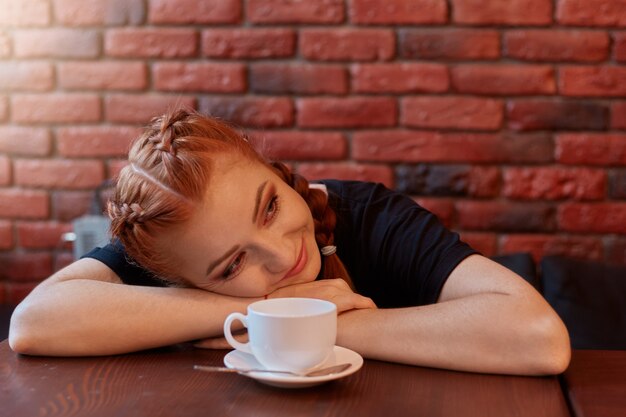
(492,332)
(87,317)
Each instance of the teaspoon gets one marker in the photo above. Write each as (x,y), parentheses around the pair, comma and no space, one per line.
(335,369)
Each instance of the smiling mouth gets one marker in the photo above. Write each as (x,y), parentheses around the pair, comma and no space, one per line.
(300,263)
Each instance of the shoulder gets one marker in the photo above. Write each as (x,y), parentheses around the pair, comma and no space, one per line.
(361,197)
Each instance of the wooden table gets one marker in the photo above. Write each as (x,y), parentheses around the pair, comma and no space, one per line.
(595,383)
(162,383)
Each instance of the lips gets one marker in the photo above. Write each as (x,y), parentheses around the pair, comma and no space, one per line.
(300,262)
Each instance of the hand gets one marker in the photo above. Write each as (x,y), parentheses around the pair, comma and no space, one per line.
(336,291)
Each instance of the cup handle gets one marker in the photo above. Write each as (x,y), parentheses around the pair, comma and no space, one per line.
(243,347)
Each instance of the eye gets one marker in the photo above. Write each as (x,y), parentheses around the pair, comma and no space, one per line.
(271,210)
(235,266)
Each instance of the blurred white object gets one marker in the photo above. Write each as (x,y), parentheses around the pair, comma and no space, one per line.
(90,230)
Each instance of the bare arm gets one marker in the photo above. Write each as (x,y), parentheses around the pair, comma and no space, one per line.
(487,320)
(85,309)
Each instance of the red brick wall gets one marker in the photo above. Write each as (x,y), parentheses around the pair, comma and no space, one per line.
(506,118)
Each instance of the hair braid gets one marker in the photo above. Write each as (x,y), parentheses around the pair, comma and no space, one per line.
(324,219)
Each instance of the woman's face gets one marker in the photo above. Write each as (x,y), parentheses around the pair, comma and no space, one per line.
(252,234)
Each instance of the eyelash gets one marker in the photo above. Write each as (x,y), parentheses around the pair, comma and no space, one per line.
(271,211)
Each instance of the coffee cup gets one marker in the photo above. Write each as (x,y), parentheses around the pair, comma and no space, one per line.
(287,334)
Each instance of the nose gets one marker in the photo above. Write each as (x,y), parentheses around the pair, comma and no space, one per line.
(277,253)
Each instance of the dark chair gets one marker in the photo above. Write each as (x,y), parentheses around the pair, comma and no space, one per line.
(5,318)
(590,298)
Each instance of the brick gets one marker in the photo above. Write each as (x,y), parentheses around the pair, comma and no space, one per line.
(553,183)
(61,260)
(151,43)
(5,170)
(347,171)
(124,108)
(347,44)
(449,44)
(617,184)
(52,173)
(99,12)
(503,79)
(591,12)
(420,146)
(114,167)
(95,141)
(23,204)
(281,11)
(593,81)
(248,43)
(68,205)
(557,45)
(546,114)
(277,78)
(505,216)
(485,243)
(346,112)
(56,43)
(448,180)
(390,12)
(452,112)
(591,148)
(15,292)
(443,208)
(619,46)
(497,12)
(24,13)
(616,250)
(26,76)
(251,111)
(55,108)
(399,78)
(205,77)
(5,45)
(194,11)
(17,140)
(592,217)
(25,266)
(6,235)
(618,115)
(4,110)
(42,235)
(102,75)
(300,145)
(541,245)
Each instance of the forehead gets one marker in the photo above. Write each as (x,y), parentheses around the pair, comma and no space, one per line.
(228,204)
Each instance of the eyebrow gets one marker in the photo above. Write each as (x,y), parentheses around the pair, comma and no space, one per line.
(257,202)
(255,215)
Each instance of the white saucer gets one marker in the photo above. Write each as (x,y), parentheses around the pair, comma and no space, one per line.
(240,360)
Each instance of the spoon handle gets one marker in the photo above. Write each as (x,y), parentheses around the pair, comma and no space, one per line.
(239,371)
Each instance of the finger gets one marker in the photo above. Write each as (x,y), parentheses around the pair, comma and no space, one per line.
(364,302)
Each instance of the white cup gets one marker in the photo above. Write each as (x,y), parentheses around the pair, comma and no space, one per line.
(287,334)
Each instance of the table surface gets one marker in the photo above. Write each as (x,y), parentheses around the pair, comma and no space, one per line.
(595,383)
(162,382)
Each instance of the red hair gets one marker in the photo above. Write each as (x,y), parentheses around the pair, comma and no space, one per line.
(169,170)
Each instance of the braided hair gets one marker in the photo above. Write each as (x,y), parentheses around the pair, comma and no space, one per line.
(169,169)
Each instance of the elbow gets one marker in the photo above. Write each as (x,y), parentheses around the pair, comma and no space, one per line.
(552,352)
(22,336)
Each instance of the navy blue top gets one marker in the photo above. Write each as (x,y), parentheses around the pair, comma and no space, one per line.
(395,251)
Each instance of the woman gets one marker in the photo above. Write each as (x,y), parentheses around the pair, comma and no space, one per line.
(198,208)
